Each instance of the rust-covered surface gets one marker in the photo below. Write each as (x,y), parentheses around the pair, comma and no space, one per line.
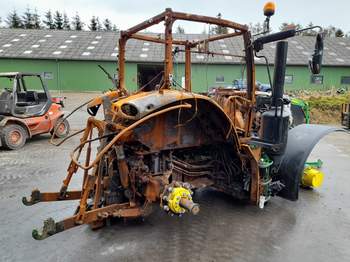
(158,147)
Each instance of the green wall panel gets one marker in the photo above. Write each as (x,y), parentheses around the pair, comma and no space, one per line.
(204,76)
(86,76)
(72,75)
(302,77)
(23,65)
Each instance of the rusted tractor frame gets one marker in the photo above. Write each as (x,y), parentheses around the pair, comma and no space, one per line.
(169,17)
(161,145)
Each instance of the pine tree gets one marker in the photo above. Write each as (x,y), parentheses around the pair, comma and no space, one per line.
(58,20)
(107,24)
(49,21)
(99,25)
(93,24)
(298,26)
(180,30)
(310,32)
(77,23)
(66,24)
(218,30)
(36,20)
(27,19)
(13,20)
(256,28)
(115,28)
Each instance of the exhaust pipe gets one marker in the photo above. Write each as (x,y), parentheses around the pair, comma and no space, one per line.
(275,122)
(279,72)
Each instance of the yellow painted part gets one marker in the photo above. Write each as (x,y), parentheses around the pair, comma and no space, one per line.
(98,100)
(175,197)
(312,177)
(165,95)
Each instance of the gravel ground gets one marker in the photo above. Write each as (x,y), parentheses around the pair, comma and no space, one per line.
(315,228)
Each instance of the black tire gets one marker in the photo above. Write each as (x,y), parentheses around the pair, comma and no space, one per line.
(61,132)
(13,136)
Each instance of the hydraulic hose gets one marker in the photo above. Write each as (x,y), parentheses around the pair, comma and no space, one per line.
(120,134)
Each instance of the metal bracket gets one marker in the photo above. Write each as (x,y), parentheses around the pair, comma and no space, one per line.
(50,228)
(264,143)
(34,198)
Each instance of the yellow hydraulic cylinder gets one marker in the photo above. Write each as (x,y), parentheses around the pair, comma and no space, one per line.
(312,177)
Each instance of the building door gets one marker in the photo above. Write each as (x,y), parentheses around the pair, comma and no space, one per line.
(149,76)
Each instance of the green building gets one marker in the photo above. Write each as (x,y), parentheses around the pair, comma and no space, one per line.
(70,59)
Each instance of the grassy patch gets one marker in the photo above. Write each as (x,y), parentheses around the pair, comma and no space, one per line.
(328,102)
(325,107)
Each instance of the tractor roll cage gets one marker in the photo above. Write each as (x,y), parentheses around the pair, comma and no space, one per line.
(169,17)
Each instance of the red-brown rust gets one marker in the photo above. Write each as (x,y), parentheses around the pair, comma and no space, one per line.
(117,137)
(164,139)
(188,85)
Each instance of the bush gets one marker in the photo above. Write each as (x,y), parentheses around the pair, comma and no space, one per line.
(325,106)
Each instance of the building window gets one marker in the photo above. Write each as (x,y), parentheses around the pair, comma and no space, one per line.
(288,79)
(345,80)
(48,75)
(220,79)
(318,80)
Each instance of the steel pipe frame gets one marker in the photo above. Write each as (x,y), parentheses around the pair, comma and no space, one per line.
(170,17)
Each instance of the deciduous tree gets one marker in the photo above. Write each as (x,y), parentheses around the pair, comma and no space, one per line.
(339,33)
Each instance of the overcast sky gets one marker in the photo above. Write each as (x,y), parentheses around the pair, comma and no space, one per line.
(126,13)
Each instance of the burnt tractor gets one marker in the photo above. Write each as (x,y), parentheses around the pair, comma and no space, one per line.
(157,147)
